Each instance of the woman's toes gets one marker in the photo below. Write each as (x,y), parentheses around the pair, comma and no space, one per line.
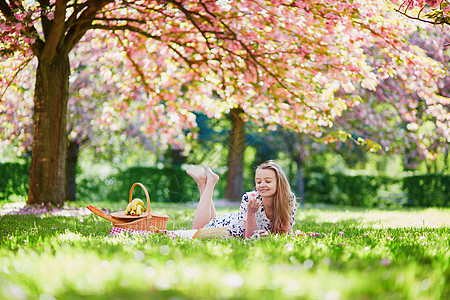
(196,173)
(210,175)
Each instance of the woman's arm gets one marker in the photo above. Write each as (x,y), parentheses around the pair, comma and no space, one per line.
(250,225)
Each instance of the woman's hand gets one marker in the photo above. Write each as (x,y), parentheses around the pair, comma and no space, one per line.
(252,208)
(253,204)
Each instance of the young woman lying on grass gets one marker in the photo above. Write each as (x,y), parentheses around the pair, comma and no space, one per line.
(271,207)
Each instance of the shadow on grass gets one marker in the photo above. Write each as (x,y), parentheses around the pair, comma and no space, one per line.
(208,293)
(33,227)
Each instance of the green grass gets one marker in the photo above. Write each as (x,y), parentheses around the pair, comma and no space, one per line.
(341,253)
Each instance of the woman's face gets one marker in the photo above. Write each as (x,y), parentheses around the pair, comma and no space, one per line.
(266,182)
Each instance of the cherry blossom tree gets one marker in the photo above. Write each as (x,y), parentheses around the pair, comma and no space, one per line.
(435,12)
(403,115)
(278,61)
(97,118)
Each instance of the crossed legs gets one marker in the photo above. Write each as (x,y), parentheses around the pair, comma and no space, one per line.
(206,180)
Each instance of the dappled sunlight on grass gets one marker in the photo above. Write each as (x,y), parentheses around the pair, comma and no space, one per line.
(335,253)
(377,218)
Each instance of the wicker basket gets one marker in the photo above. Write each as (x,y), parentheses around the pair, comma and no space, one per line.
(150,222)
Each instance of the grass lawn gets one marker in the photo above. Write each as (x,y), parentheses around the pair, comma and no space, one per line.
(337,253)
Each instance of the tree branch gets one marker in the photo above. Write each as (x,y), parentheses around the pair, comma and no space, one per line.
(138,69)
(228,31)
(125,27)
(130,20)
(435,22)
(44,3)
(191,19)
(77,8)
(19,69)
(77,31)
(56,31)
(6,10)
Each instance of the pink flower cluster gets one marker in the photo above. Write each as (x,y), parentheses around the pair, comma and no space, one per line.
(42,209)
(35,210)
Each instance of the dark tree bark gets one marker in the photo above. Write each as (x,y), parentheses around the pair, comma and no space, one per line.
(235,177)
(71,170)
(446,161)
(300,179)
(47,170)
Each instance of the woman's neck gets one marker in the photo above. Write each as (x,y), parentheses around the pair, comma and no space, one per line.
(268,204)
(267,201)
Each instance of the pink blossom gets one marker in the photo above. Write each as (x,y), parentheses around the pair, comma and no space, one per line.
(412,126)
(314,234)
(20,16)
(432,3)
(29,40)
(385,262)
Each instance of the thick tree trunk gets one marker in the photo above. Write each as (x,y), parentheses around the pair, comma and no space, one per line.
(48,162)
(235,177)
(71,170)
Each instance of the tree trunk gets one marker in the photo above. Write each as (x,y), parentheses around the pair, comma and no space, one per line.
(300,180)
(177,182)
(235,177)
(177,157)
(446,167)
(47,172)
(71,170)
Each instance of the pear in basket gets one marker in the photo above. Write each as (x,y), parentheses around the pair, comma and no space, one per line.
(135,207)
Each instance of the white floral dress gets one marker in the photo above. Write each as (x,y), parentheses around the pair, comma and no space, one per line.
(235,222)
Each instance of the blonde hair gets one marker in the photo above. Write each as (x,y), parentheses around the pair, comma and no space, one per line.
(281,214)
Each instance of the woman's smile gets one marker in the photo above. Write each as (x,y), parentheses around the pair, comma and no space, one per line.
(266,182)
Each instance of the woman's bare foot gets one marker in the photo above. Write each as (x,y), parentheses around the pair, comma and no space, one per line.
(205,209)
(211,177)
(199,176)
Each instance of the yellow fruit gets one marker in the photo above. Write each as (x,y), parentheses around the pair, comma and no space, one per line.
(132,207)
(136,202)
(128,210)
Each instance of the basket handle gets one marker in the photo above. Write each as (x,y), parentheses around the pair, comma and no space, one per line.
(146,195)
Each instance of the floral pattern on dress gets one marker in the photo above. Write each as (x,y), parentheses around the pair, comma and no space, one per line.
(235,222)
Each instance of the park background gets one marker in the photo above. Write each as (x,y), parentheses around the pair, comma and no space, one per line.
(358,179)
